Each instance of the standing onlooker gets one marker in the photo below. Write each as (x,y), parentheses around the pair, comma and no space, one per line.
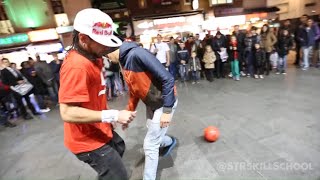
(233,52)
(299,29)
(241,48)
(260,61)
(209,58)
(307,38)
(251,39)
(183,57)
(39,87)
(285,42)
(194,67)
(13,77)
(44,71)
(161,50)
(189,44)
(219,42)
(268,40)
(173,57)
(55,65)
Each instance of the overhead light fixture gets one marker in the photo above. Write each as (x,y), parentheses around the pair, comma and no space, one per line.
(195,4)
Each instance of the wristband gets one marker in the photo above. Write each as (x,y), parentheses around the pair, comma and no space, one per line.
(108,116)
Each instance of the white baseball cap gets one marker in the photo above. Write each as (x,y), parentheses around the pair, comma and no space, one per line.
(97,25)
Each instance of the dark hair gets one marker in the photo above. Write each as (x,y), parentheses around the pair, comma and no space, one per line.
(253,28)
(13,64)
(265,25)
(23,64)
(4,59)
(171,38)
(75,40)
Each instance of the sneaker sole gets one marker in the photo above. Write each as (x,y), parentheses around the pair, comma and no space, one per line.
(174,143)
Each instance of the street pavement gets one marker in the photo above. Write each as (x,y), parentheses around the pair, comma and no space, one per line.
(269,129)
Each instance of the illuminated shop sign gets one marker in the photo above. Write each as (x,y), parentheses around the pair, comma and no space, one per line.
(45,48)
(64,29)
(14,39)
(43,35)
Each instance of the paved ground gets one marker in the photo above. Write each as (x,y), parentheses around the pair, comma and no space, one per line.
(270,129)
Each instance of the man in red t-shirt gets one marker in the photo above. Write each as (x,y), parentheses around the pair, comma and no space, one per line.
(83,106)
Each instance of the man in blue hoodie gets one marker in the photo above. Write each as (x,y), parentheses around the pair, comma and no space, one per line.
(150,82)
(307,37)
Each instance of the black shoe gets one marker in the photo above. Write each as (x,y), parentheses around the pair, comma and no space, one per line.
(37,113)
(27,117)
(165,151)
(9,124)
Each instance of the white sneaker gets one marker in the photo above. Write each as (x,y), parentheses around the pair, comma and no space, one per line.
(242,73)
(256,76)
(230,75)
(45,110)
(193,82)
(261,77)
(277,72)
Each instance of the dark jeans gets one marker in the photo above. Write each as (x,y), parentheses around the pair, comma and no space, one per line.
(106,160)
(219,67)
(250,63)
(209,74)
(241,60)
(267,63)
(297,61)
(173,69)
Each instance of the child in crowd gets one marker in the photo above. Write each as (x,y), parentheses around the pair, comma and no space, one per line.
(260,60)
(209,58)
(194,67)
(183,57)
(233,55)
(285,42)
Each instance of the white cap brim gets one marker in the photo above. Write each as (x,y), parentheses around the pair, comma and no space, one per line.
(109,41)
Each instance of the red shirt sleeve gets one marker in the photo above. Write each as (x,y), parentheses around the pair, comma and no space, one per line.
(73,86)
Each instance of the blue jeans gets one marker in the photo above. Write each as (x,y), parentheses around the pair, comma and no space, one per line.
(183,72)
(155,138)
(282,63)
(195,75)
(117,82)
(306,54)
(173,69)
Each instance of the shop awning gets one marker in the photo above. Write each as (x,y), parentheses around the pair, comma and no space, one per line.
(166,15)
(12,49)
(261,10)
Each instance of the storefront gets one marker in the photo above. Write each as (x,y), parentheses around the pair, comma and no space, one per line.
(44,42)
(13,47)
(225,24)
(179,26)
(19,47)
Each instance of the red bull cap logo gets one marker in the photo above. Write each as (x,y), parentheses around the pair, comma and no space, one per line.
(100,28)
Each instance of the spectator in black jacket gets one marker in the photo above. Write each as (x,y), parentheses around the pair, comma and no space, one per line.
(260,60)
(12,77)
(39,87)
(55,66)
(285,42)
(241,48)
(219,42)
(298,29)
(183,57)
